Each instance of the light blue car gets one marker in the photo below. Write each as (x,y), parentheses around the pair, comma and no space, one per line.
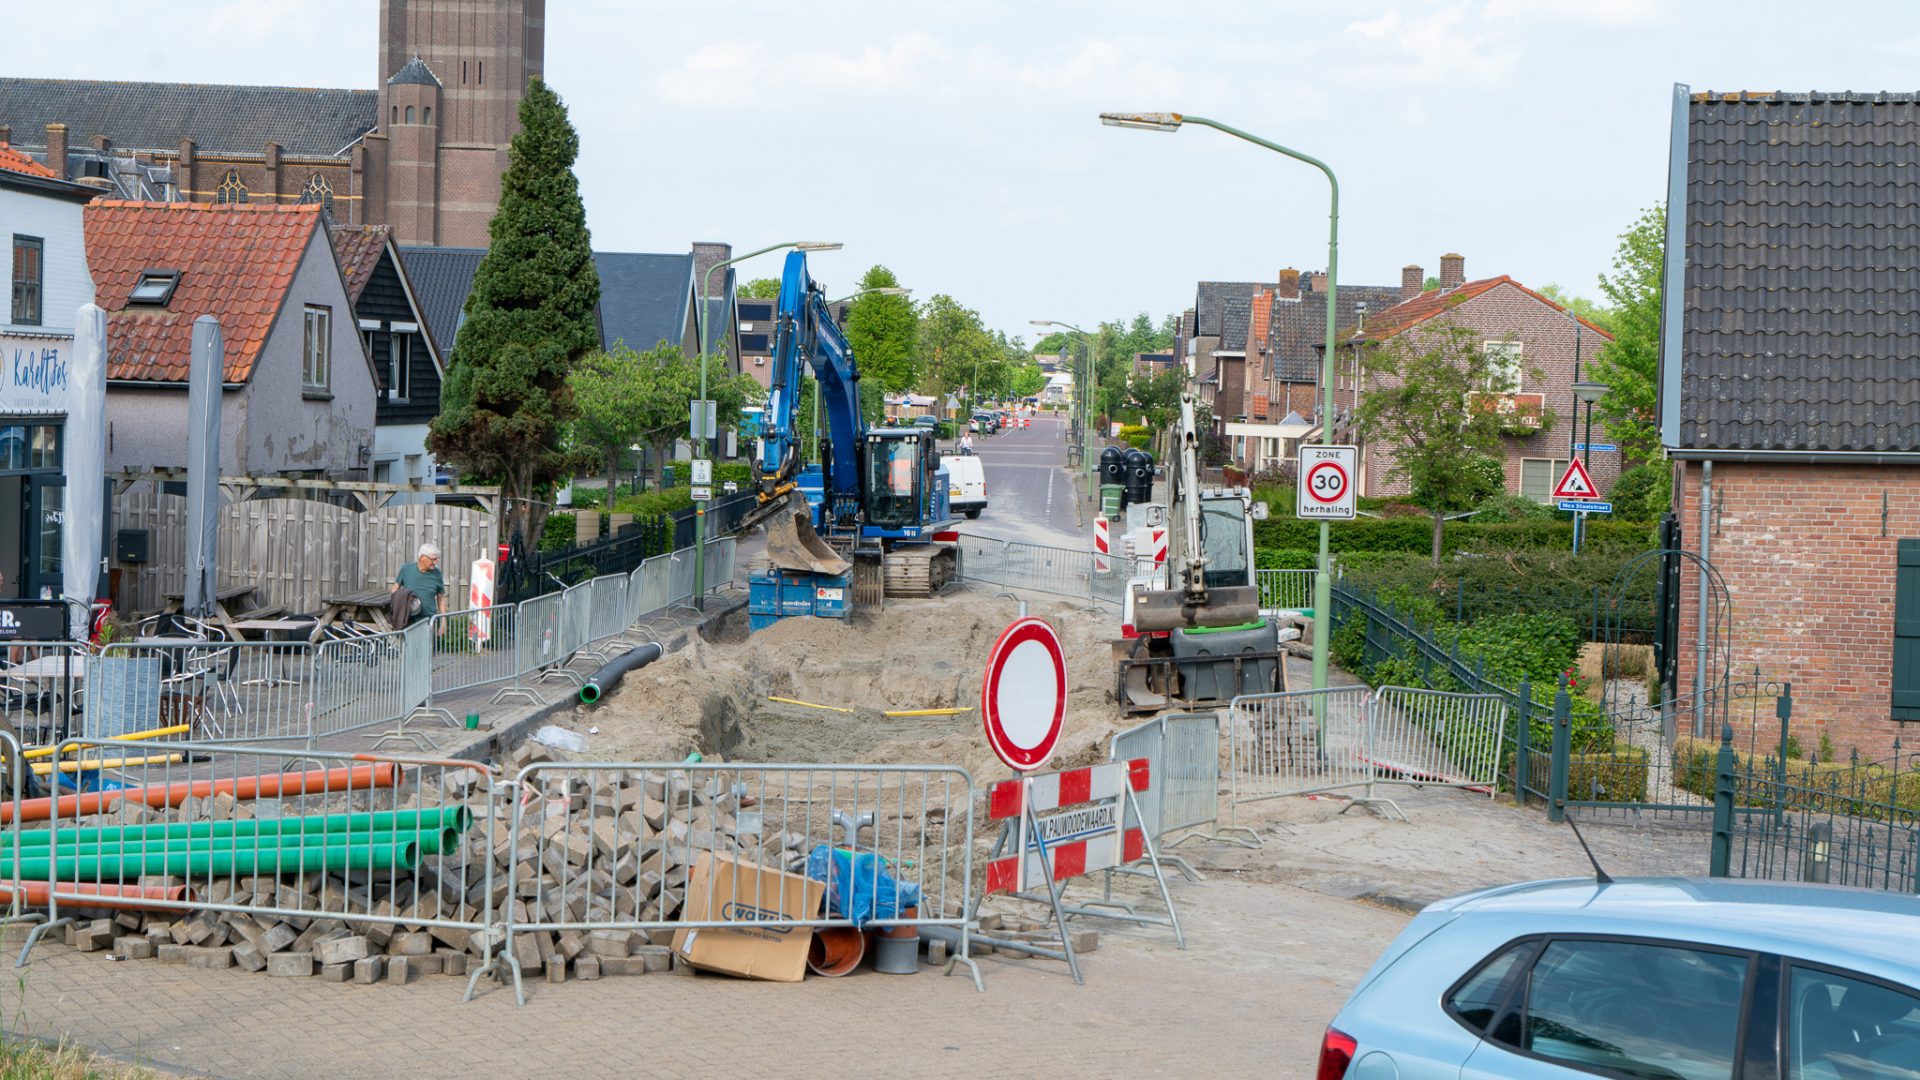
(1647,979)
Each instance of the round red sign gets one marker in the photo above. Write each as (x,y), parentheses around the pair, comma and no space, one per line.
(1023,698)
(1326,481)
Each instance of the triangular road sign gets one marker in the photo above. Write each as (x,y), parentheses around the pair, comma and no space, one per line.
(1575,483)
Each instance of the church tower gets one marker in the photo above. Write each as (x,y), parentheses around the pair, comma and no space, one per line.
(439,182)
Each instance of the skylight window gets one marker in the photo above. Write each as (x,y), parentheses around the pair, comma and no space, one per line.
(154,287)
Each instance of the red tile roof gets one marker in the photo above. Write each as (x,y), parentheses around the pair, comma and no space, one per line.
(236,263)
(358,248)
(1404,316)
(12,160)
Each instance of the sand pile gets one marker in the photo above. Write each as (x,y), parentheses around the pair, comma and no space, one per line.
(916,654)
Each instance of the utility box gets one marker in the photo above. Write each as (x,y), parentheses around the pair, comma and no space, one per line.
(130,546)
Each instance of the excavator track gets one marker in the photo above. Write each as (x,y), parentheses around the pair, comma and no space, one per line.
(919,571)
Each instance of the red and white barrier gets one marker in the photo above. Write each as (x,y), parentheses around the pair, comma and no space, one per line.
(1084,836)
(1101,545)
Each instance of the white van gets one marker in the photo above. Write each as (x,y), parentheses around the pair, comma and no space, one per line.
(966,484)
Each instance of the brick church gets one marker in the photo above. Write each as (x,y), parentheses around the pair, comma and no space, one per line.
(423,153)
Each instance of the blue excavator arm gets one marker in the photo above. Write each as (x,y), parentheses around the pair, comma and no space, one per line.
(805,334)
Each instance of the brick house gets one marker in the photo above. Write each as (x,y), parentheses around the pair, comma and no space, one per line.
(298,394)
(1789,395)
(423,153)
(1540,343)
(392,324)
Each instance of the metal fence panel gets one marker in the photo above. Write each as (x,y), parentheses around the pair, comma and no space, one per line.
(1148,741)
(611,845)
(542,633)
(475,647)
(1061,571)
(358,680)
(1297,742)
(720,563)
(606,606)
(1420,736)
(576,621)
(229,691)
(1189,775)
(679,577)
(41,689)
(367,839)
(1282,590)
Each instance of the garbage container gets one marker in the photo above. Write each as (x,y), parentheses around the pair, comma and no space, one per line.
(1139,481)
(1113,467)
(666,477)
(1111,499)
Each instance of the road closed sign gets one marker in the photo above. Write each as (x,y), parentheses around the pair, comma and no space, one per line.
(1326,482)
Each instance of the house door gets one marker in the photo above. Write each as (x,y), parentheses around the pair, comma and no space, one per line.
(13,534)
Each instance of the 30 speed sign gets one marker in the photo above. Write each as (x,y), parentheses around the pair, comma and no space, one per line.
(1326,482)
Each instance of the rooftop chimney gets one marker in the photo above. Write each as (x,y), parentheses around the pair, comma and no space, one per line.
(1453,271)
(57,149)
(1413,281)
(1289,284)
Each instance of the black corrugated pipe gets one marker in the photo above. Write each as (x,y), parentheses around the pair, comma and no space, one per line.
(612,671)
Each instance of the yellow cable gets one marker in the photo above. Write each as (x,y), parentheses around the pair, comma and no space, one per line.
(895,712)
(156,733)
(807,704)
(45,768)
(928,712)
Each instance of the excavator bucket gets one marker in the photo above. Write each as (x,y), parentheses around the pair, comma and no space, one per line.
(793,545)
(1168,609)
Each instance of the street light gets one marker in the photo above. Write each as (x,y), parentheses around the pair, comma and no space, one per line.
(1586,393)
(1086,399)
(1322,579)
(700,444)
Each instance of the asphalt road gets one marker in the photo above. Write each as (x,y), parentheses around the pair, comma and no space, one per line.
(1030,493)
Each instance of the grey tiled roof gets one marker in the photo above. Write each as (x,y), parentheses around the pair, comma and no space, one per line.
(1234,316)
(1298,329)
(1211,302)
(220,119)
(644,298)
(442,278)
(1801,320)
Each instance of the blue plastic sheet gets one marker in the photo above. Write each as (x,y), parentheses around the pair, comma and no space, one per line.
(858,885)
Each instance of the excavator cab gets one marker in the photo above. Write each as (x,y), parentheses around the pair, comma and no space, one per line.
(906,499)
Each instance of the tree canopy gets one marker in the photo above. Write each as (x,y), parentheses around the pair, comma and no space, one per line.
(529,321)
(1425,401)
(1629,363)
(882,331)
(766,288)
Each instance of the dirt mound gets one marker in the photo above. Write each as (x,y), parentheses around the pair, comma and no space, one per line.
(713,696)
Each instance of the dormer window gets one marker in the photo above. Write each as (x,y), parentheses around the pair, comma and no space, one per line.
(154,287)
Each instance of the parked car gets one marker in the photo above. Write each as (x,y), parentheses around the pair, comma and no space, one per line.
(1662,979)
(966,484)
(985,423)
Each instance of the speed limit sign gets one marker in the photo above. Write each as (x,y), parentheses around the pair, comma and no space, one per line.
(1326,482)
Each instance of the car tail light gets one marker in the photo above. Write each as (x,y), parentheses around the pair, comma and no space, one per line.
(1336,1054)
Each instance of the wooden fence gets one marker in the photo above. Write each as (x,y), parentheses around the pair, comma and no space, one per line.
(297,551)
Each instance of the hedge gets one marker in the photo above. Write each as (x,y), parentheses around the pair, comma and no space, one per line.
(1616,775)
(1827,787)
(1415,535)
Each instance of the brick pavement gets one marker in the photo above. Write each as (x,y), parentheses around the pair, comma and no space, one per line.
(1266,968)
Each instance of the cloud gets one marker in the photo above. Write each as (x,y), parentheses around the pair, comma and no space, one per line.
(733,73)
(1443,48)
(1608,13)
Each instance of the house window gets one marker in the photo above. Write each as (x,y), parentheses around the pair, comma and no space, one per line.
(399,356)
(1503,366)
(313,355)
(231,190)
(1538,475)
(318,190)
(1906,632)
(480,72)
(26,279)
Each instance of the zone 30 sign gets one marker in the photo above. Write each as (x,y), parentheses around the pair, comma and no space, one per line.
(1326,484)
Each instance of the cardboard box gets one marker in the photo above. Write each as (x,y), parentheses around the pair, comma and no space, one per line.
(722,887)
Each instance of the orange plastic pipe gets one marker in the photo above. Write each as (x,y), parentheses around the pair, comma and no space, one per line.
(95,895)
(272,785)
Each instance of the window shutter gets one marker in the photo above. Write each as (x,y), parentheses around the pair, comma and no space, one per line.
(1906,633)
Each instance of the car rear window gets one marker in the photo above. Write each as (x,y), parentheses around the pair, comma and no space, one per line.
(1842,1028)
(1479,997)
(1635,1009)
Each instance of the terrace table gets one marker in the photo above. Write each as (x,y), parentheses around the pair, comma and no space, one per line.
(366,607)
(226,601)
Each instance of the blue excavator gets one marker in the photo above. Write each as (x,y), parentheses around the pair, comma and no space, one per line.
(875,502)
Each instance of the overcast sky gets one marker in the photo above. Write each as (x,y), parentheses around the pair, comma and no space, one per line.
(957,142)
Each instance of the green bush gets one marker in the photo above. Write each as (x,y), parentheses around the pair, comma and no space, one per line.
(1415,534)
(1643,493)
(1286,559)
(1136,436)
(1512,508)
(559,531)
(1536,646)
(1615,774)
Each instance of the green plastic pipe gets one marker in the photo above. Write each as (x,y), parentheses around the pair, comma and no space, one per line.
(432,842)
(214,863)
(457,818)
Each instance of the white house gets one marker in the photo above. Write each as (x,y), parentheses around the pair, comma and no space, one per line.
(46,259)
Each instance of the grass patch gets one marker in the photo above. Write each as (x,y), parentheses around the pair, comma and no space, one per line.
(26,1059)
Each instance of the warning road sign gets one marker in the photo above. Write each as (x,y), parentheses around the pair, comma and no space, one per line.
(1575,483)
(1326,482)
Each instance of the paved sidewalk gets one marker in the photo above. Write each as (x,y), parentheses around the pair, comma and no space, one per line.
(1266,968)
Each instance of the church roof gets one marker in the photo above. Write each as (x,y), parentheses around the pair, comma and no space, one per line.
(416,72)
(219,119)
